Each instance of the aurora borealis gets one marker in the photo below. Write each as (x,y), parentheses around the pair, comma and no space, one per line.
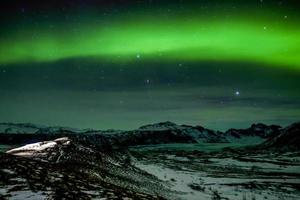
(121,64)
(183,34)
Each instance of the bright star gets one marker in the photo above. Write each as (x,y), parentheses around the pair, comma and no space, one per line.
(237,93)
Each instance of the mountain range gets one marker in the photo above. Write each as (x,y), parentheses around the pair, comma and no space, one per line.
(158,133)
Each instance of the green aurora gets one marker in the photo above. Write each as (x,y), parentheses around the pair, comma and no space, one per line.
(119,64)
(268,38)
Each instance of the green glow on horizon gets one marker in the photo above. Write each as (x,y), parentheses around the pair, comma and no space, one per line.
(195,38)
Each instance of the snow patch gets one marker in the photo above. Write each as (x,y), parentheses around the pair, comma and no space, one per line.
(30,149)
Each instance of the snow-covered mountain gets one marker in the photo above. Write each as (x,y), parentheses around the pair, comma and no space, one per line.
(197,133)
(158,133)
(28,128)
(12,128)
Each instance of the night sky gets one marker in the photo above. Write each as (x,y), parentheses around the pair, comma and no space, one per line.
(122,64)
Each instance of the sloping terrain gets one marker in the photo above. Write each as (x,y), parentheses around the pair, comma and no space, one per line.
(66,169)
(287,140)
(229,174)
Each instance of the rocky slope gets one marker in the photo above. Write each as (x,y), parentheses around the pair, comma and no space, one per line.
(288,139)
(256,130)
(65,169)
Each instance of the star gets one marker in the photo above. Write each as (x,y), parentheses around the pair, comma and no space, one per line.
(237,93)
(138,56)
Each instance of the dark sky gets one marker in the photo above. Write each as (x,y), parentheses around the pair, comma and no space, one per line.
(123,64)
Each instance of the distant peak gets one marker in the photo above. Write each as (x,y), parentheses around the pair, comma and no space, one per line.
(258,125)
(166,124)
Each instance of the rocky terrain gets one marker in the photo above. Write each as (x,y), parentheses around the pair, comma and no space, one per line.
(259,130)
(64,169)
(157,161)
(288,139)
(229,174)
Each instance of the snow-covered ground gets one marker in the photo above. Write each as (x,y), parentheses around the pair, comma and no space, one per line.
(224,178)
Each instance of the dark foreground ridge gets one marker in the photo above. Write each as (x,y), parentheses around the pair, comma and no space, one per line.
(66,169)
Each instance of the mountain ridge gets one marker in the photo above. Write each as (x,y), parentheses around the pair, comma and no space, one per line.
(151,134)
